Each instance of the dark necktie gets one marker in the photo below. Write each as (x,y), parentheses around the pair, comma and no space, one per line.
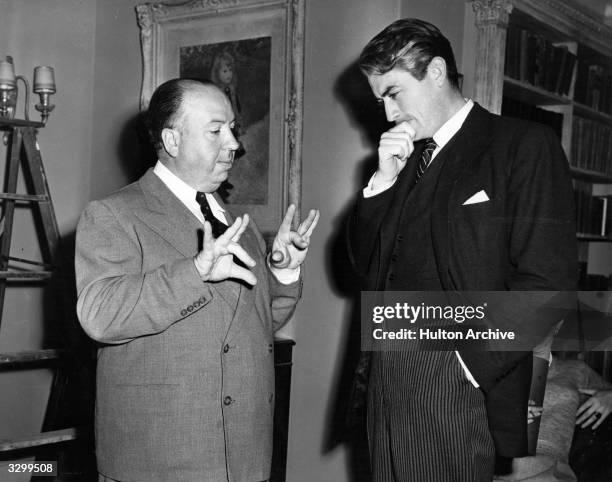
(218,228)
(430,146)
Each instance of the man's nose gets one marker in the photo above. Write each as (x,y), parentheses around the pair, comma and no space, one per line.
(231,144)
(391,110)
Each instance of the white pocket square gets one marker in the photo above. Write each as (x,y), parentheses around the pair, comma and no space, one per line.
(479,197)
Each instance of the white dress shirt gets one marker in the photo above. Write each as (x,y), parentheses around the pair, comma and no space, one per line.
(187,195)
(442,137)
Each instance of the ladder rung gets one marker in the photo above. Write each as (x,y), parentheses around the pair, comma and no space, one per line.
(26,275)
(39,198)
(29,261)
(45,438)
(30,356)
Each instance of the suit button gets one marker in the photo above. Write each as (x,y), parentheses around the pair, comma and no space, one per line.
(228,400)
(225,348)
(391,277)
(400,238)
(394,257)
(270,348)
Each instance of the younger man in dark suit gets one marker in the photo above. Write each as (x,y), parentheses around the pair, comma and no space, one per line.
(461,200)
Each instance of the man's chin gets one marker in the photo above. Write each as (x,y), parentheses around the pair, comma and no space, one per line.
(222,177)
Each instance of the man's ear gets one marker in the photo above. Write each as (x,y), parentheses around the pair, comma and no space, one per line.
(437,70)
(171,139)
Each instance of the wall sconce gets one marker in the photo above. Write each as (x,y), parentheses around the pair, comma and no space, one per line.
(8,88)
(44,86)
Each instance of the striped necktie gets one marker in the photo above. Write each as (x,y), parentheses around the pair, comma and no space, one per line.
(430,146)
(218,228)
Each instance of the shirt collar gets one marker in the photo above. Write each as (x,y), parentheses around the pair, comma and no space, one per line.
(185,193)
(445,133)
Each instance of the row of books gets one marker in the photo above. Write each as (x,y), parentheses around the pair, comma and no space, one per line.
(594,86)
(521,110)
(532,58)
(592,213)
(591,145)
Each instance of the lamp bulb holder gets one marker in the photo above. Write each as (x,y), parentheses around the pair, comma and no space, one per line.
(45,107)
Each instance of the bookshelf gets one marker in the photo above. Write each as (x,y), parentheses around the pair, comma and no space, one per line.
(551,61)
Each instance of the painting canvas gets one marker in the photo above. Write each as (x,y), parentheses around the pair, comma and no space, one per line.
(242,70)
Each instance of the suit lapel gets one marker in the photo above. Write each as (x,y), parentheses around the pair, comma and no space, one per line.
(458,156)
(168,216)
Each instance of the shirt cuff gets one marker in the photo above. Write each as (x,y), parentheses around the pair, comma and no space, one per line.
(368,191)
(285,276)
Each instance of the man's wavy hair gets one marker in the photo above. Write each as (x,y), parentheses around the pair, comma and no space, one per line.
(409,44)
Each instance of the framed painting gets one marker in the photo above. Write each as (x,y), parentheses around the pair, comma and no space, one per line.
(254,51)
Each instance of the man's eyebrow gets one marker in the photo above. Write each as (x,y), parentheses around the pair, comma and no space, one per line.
(221,121)
(388,90)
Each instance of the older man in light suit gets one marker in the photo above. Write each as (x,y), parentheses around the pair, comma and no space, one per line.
(185,375)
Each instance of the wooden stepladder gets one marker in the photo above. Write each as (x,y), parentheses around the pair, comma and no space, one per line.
(22,150)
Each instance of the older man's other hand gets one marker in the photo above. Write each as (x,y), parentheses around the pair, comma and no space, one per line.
(289,248)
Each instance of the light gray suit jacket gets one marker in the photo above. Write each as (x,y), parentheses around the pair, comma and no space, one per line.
(185,374)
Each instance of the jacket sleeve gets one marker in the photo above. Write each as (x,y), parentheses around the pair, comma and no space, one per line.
(283,297)
(117,302)
(540,201)
(284,300)
(363,226)
(542,251)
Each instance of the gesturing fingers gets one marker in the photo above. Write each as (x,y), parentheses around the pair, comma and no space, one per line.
(233,232)
(209,240)
(216,261)
(238,272)
(300,242)
(240,253)
(285,226)
(241,229)
(307,226)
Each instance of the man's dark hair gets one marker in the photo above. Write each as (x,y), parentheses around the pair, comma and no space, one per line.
(410,44)
(165,105)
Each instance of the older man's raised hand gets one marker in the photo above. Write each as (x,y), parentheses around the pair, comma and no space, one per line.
(289,248)
(216,260)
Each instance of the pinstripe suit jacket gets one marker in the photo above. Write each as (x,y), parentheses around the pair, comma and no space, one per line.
(185,374)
